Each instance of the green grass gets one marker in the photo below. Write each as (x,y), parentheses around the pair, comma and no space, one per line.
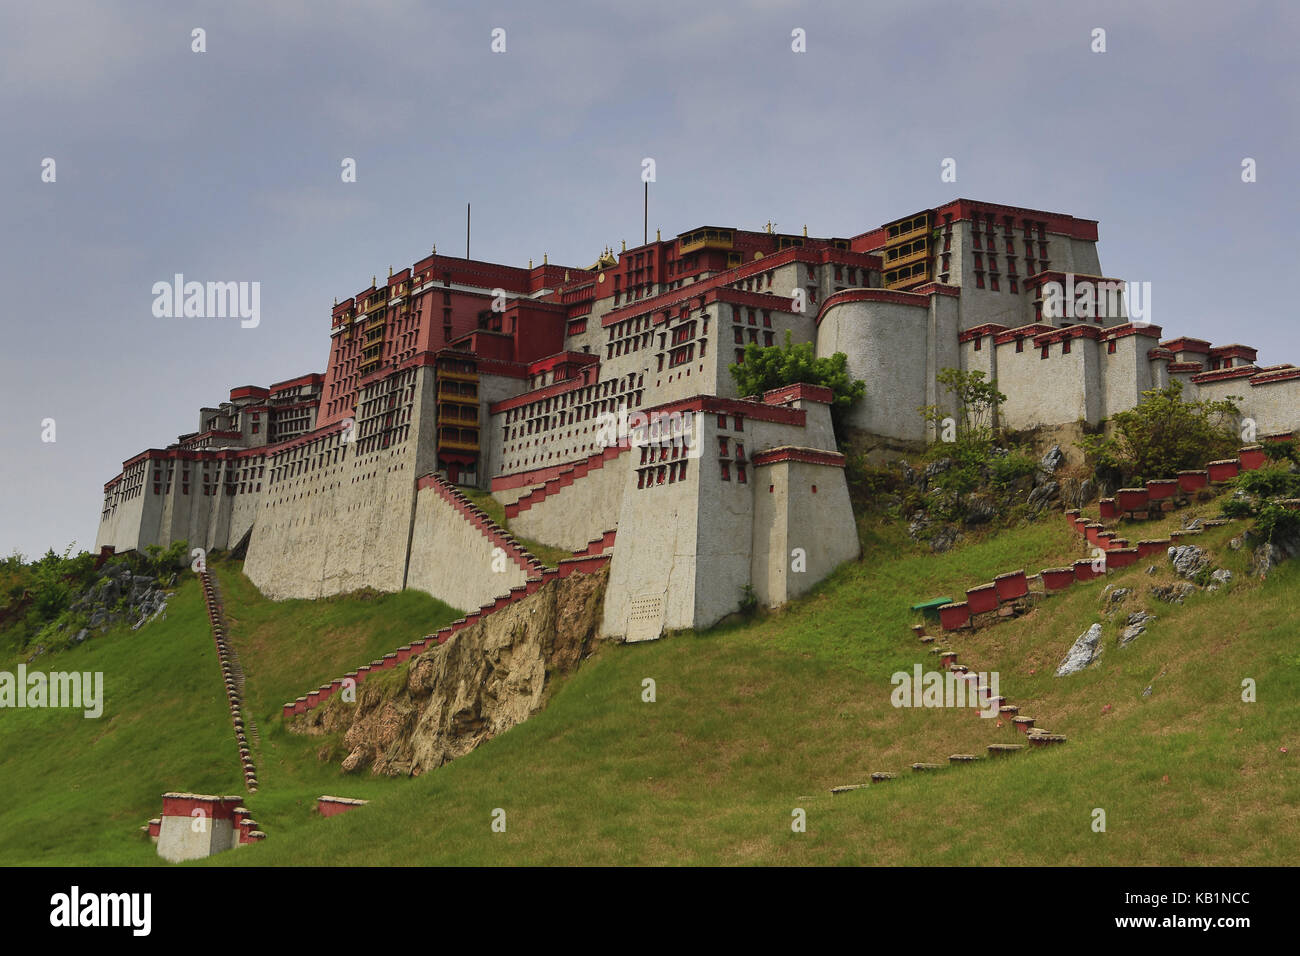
(752,720)
(76,789)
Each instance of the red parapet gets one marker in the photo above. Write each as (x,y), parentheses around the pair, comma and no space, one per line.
(1158,489)
(1131,499)
(1223,470)
(1107,508)
(1152,546)
(1057,579)
(983,598)
(1116,543)
(1252,457)
(953,617)
(1092,530)
(1084,571)
(1081,523)
(1121,557)
(1192,480)
(328,806)
(1011,585)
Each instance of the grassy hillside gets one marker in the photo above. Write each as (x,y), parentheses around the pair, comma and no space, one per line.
(751,721)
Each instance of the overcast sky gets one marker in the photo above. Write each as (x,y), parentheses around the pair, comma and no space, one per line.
(225,165)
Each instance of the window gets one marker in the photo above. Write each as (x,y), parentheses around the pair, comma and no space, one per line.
(722,421)
(722,446)
(1020,344)
(979,343)
(740,335)
(740,474)
(726,471)
(1110,347)
(740,423)
(1043,354)
(1065,347)
(740,452)
(979,280)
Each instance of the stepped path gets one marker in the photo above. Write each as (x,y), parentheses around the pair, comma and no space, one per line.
(1012,594)
(563,478)
(232,674)
(591,558)
(479,518)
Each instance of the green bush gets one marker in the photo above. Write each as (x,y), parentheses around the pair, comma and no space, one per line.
(1163,435)
(1282,451)
(1274,522)
(1010,468)
(1274,481)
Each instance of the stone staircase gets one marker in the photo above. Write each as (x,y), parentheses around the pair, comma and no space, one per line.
(1009,594)
(565,477)
(232,674)
(479,518)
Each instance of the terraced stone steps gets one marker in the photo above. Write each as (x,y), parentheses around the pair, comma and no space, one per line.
(566,476)
(232,675)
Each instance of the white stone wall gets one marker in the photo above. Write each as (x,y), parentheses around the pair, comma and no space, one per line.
(453,560)
(886,345)
(789,515)
(180,838)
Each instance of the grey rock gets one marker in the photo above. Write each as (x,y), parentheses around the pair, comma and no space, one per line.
(1147,692)
(1111,598)
(1052,460)
(1082,653)
(1134,626)
(1173,593)
(1269,555)
(980,509)
(1221,576)
(944,539)
(1042,495)
(1187,559)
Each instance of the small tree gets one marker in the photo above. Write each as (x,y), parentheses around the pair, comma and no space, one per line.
(1163,434)
(778,365)
(977,406)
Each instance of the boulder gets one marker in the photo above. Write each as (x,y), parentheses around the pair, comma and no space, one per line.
(1134,626)
(944,539)
(1187,559)
(1082,653)
(980,509)
(1173,593)
(1052,460)
(1042,495)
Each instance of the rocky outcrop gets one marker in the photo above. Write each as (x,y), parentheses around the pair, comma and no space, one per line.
(486,679)
(1082,653)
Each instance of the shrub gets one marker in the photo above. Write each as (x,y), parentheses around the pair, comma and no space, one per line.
(1270,482)
(1162,435)
(1282,451)
(1275,522)
(788,364)
(1010,468)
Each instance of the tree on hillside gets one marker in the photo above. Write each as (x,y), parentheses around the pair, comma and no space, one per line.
(1163,435)
(779,365)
